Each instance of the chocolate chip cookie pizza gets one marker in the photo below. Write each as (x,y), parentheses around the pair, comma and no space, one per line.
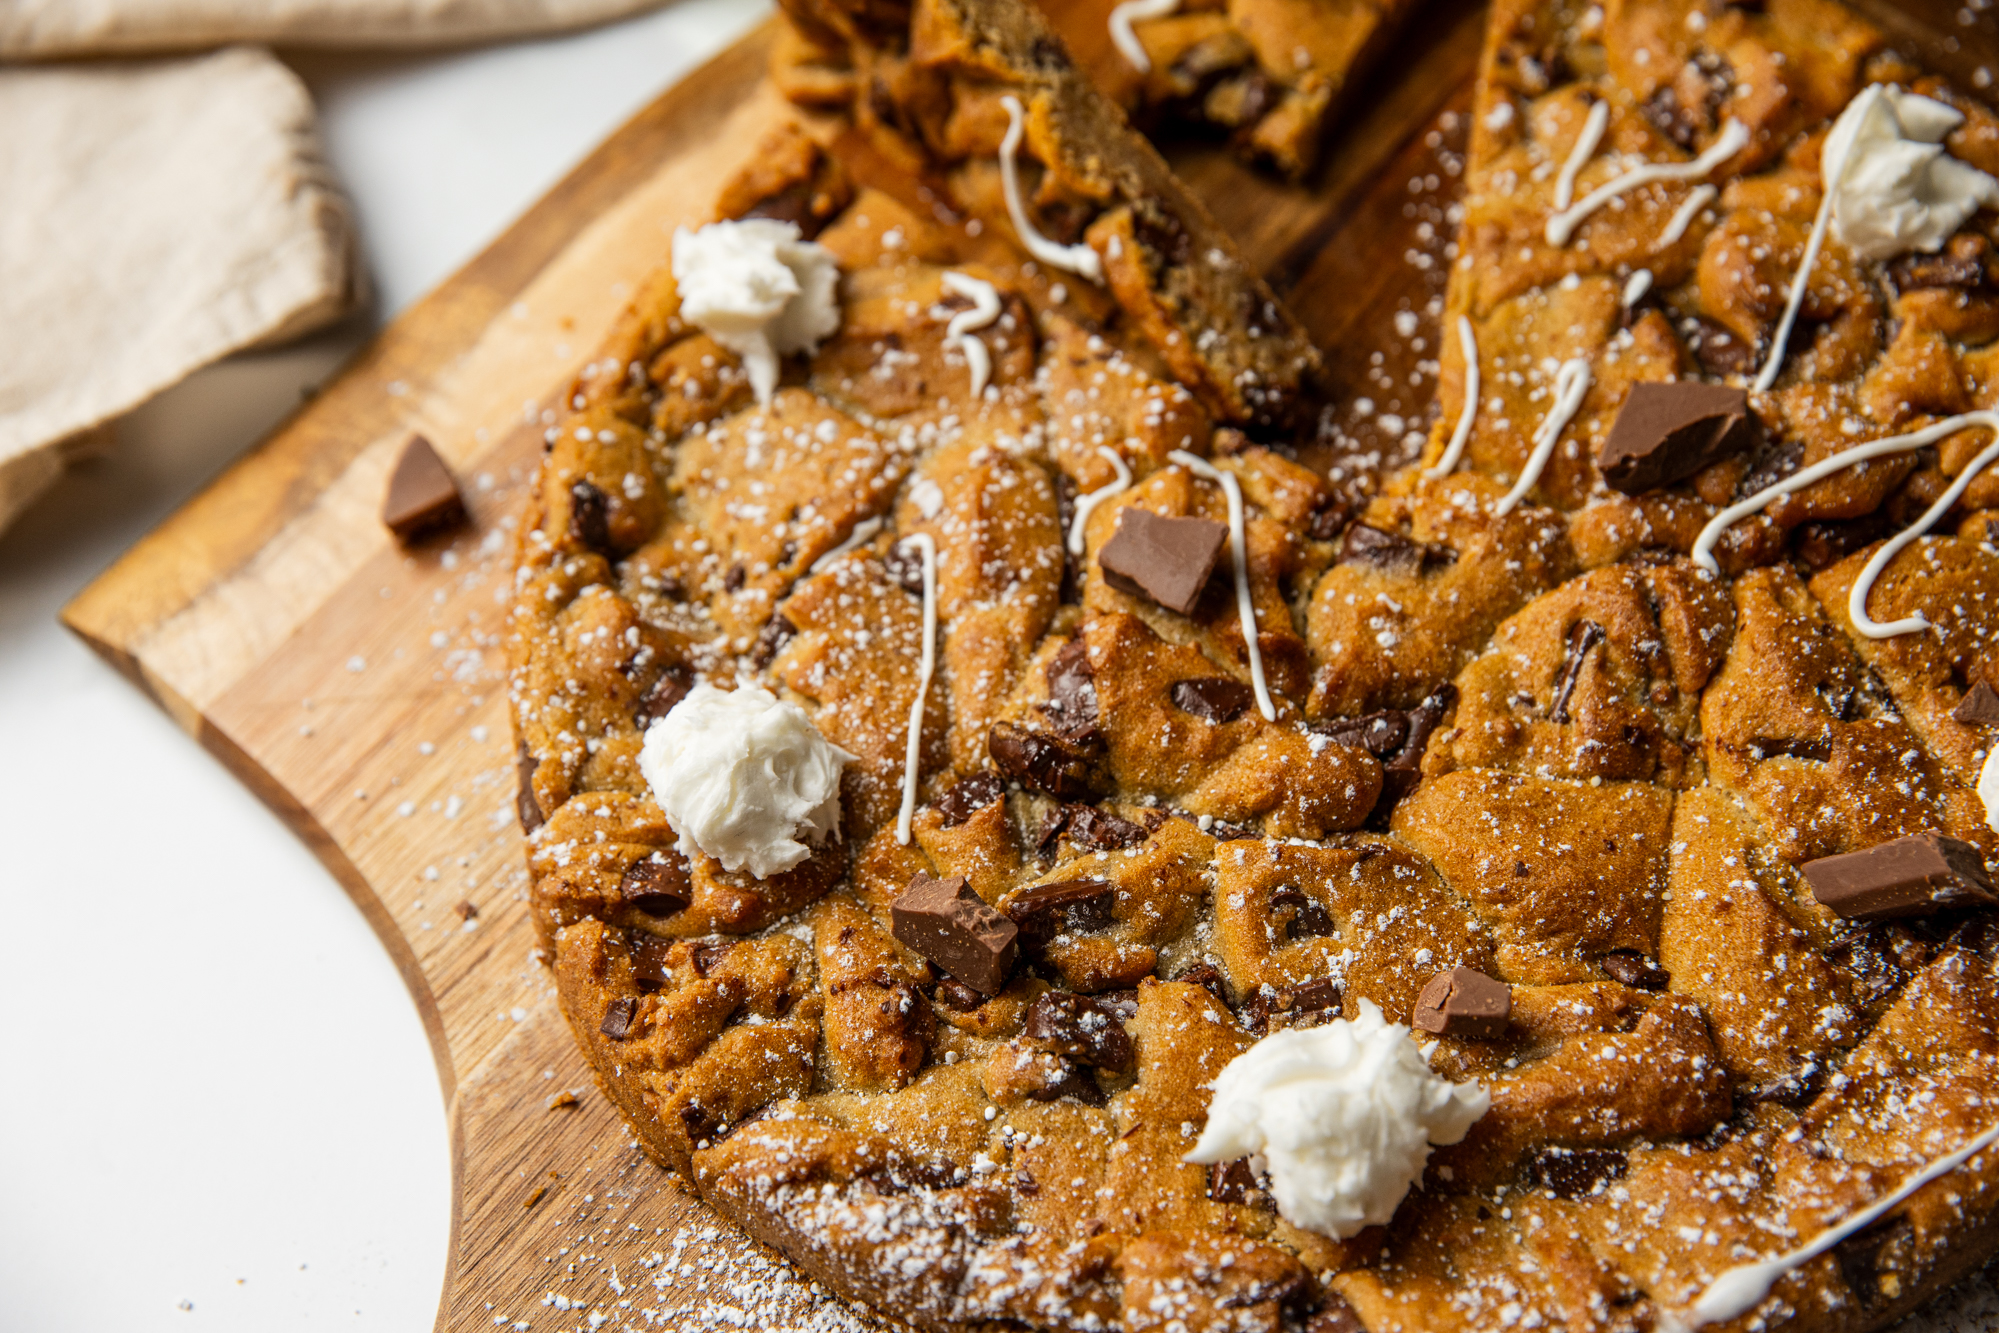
(1025,847)
(1268,75)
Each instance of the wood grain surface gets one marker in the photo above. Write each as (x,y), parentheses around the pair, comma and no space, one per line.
(359,688)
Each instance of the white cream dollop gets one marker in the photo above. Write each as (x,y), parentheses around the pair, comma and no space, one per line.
(1894,188)
(1343,1116)
(741,774)
(758,290)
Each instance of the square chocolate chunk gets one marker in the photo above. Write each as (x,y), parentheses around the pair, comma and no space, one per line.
(1665,432)
(1463,1002)
(1914,876)
(947,923)
(1167,559)
(1978,707)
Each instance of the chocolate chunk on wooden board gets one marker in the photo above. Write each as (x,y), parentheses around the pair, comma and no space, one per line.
(947,923)
(422,497)
(1167,559)
(1918,875)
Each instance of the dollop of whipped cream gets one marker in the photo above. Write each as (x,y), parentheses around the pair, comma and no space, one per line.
(1342,1116)
(759,290)
(742,775)
(1894,188)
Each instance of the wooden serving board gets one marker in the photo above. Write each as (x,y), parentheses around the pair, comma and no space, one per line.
(360,689)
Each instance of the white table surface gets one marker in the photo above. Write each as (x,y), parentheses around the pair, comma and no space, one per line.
(218,1108)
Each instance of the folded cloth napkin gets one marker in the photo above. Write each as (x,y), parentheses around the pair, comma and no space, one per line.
(36,28)
(159,215)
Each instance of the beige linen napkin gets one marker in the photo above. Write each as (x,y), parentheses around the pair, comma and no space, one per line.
(38,28)
(158,216)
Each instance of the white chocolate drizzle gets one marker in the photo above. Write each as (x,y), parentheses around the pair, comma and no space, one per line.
(1683,218)
(1703,552)
(913,759)
(1239,554)
(985,309)
(1572,381)
(1988,788)
(1636,286)
(1562,226)
(1078,259)
(1467,414)
(864,531)
(1125,40)
(1579,156)
(1087,504)
(1856,600)
(1743,1287)
(1775,360)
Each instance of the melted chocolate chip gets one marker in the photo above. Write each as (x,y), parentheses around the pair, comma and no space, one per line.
(1583,636)
(1167,559)
(421,498)
(1815,748)
(1232,1182)
(956,995)
(1305,1005)
(1960,265)
(1334,1315)
(969,796)
(707,955)
(1100,830)
(1913,876)
(660,697)
(649,961)
(1401,771)
(1389,552)
(802,203)
(1040,762)
(737,576)
(1667,432)
(1329,518)
(1209,978)
(1070,1080)
(525,804)
(1308,919)
(1570,1173)
(618,1018)
(1634,969)
(771,641)
(1072,695)
(1380,734)
(590,517)
(947,923)
(659,885)
(1213,699)
(1070,906)
(1719,351)
(1824,544)
(1079,1028)
(1979,707)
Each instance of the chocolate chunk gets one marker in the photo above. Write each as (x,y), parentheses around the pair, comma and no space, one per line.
(969,796)
(805,204)
(1670,118)
(1167,559)
(1583,636)
(707,955)
(524,802)
(1307,920)
(1860,1255)
(737,576)
(1232,1182)
(771,640)
(1334,1315)
(905,567)
(955,994)
(1072,695)
(1463,1002)
(1040,762)
(1043,911)
(1634,969)
(590,517)
(1665,432)
(659,885)
(1979,707)
(617,1024)
(1821,545)
(1879,960)
(421,497)
(1570,1173)
(1380,734)
(649,961)
(1209,978)
(1913,876)
(1960,265)
(1389,552)
(1065,519)
(1079,1028)
(1069,1080)
(945,922)
(1100,830)
(1213,699)
(660,697)
(1329,517)
(1719,351)
(1777,460)
(1305,1005)
(1401,771)
(1815,748)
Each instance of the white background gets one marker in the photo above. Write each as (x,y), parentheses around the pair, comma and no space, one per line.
(213,1087)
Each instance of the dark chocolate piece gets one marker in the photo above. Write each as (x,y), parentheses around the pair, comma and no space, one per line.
(525,804)
(422,497)
(1043,911)
(707,955)
(617,1024)
(1209,978)
(1583,636)
(1070,1080)
(1960,264)
(1100,830)
(1401,771)
(1308,919)
(1329,517)
(1913,876)
(1072,695)
(1232,1182)
(1213,699)
(660,697)
(649,962)
(658,885)
(1634,969)
(590,517)
(969,796)
(955,994)
(1305,1005)
(1080,1028)
(1380,734)
(1979,707)
(1334,1315)
(1719,351)
(1666,432)
(1816,748)
(1167,559)
(771,640)
(1570,1173)
(1823,544)
(1039,761)
(945,922)
(1389,552)
(1463,1002)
